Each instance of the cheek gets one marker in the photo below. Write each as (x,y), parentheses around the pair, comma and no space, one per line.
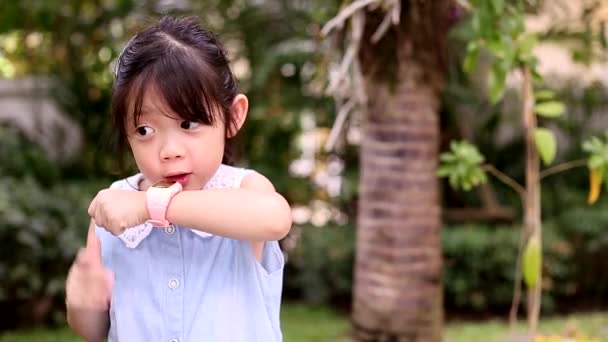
(209,151)
(140,154)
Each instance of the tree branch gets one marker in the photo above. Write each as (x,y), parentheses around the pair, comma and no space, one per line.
(337,127)
(338,20)
(562,167)
(517,282)
(505,179)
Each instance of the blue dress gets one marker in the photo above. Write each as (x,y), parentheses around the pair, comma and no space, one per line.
(176,284)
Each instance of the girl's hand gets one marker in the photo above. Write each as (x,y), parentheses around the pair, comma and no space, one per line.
(89,283)
(116,209)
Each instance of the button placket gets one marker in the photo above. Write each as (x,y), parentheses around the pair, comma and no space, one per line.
(174,281)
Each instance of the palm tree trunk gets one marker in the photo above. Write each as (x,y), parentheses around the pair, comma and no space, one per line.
(397,290)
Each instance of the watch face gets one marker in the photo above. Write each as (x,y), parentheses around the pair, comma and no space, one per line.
(163,184)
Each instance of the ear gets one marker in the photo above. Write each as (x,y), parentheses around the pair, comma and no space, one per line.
(239,109)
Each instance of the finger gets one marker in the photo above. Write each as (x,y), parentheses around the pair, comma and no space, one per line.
(102,221)
(81,256)
(116,229)
(108,223)
(92,208)
(110,279)
(93,245)
(109,284)
(112,225)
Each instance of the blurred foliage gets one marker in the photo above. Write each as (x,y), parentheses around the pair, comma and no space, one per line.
(320,269)
(40,236)
(43,223)
(586,231)
(479,260)
(497,27)
(76,42)
(470,114)
(597,164)
(462,165)
(598,149)
(478,269)
(496,31)
(20,158)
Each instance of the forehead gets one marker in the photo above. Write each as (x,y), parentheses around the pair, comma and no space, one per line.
(151,102)
(171,96)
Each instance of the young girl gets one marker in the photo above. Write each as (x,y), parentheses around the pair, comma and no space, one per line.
(187,249)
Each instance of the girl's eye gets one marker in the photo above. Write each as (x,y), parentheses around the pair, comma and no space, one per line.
(144,130)
(189,124)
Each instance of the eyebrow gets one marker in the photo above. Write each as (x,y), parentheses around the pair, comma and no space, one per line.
(150,110)
(146,110)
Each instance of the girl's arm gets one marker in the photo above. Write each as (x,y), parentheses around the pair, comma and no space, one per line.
(254,212)
(92,325)
(88,288)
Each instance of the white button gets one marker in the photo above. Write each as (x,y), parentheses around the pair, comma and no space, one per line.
(174,340)
(173,283)
(169,230)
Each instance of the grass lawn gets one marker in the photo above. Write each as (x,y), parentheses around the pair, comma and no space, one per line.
(303,323)
(588,327)
(300,323)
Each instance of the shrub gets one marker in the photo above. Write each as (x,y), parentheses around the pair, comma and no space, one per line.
(320,268)
(41,230)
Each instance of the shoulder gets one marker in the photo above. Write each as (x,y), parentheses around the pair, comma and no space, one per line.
(258,182)
(129,183)
(241,178)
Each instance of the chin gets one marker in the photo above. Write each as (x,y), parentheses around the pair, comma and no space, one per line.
(194,186)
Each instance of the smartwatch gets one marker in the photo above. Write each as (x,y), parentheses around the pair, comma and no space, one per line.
(158,197)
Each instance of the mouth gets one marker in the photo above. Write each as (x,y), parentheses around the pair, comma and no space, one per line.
(181,178)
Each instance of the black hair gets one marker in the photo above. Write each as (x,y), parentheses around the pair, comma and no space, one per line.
(189,69)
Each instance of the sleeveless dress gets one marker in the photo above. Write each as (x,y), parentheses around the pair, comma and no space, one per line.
(178,284)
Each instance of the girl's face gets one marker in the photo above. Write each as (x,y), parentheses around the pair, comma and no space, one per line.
(167,147)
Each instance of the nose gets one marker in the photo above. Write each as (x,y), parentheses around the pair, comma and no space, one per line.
(171,149)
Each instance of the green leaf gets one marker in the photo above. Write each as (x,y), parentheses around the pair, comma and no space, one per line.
(550,109)
(498,6)
(497,48)
(526,43)
(462,165)
(471,58)
(537,78)
(593,145)
(595,162)
(545,144)
(475,22)
(444,171)
(497,83)
(532,261)
(447,157)
(544,95)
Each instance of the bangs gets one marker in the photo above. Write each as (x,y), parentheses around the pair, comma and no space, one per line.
(183,68)
(184,88)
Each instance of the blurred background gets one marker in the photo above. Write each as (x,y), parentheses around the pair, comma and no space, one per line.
(56,59)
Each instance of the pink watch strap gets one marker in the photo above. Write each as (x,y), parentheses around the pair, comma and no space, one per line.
(157,201)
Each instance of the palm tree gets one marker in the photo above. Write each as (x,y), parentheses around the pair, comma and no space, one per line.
(400,49)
